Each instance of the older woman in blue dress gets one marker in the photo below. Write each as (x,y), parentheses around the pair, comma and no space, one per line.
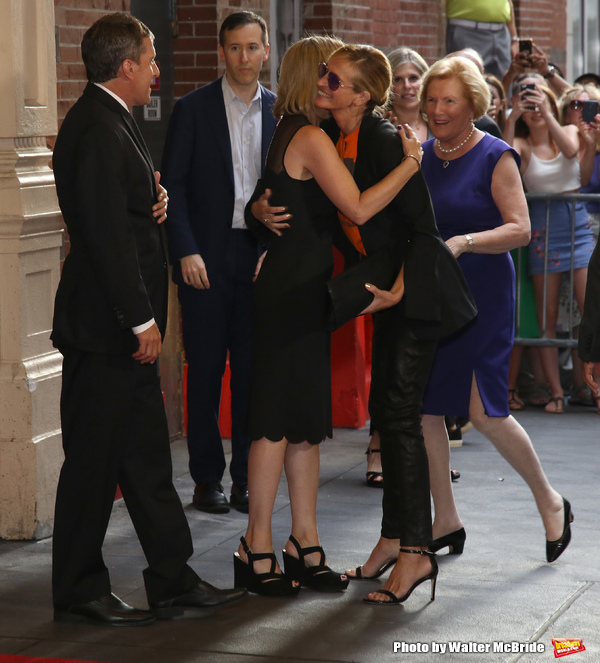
(482,213)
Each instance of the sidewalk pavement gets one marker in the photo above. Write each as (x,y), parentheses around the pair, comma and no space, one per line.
(499,592)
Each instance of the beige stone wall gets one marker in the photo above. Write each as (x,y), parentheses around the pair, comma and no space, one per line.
(30,250)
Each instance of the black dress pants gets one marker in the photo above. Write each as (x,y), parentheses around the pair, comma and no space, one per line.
(400,369)
(216,321)
(115,432)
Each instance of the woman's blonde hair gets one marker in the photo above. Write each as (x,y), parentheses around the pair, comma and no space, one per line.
(404,55)
(298,76)
(371,73)
(475,88)
(568,95)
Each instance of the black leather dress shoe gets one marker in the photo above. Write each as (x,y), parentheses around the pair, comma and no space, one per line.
(106,611)
(239,498)
(209,497)
(203,595)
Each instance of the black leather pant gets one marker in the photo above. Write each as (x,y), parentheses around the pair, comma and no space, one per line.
(401,365)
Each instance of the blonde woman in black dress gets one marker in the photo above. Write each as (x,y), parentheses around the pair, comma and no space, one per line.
(290,405)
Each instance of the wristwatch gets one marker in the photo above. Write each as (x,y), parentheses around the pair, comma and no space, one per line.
(470,242)
(551,72)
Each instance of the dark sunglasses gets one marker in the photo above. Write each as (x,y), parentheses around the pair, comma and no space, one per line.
(576,104)
(333,80)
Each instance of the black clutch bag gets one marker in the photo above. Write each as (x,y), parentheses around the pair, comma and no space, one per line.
(347,290)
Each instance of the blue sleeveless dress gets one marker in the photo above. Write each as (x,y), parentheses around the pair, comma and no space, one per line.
(463,204)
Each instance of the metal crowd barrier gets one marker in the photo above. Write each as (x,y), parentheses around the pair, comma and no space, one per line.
(570,341)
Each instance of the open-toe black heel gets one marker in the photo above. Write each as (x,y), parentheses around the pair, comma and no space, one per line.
(554,549)
(432,575)
(374,479)
(319,577)
(380,571)
(265,584)
(455,542)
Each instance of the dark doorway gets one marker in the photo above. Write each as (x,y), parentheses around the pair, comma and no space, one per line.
(159,16)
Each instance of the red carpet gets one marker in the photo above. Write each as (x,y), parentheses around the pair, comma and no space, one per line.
(9,658)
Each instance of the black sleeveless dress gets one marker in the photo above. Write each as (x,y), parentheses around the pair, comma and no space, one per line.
(291,378)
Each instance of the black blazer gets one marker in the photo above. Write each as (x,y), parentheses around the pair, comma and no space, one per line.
(437,299)
(589,330)
(115,275)
(197,170)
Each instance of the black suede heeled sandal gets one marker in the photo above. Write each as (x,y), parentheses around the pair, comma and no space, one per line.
(374,479)
(265,584)
(396,600)
(319,577)
(455,542)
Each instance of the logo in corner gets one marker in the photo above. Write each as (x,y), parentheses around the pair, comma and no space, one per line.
(564,647)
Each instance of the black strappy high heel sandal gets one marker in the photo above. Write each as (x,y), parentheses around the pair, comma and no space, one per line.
(319,577)
(380,571)
(396,600)
(374,479)
(265,584)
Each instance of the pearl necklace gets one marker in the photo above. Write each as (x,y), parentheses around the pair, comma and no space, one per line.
(454,149)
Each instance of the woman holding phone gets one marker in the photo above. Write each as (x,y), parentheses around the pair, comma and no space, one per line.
(550,164)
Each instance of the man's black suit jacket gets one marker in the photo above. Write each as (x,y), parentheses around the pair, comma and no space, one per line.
(115,275)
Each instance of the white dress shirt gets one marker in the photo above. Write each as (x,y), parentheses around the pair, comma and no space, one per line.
(245,133)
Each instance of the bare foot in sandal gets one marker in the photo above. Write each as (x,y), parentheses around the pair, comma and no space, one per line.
(555,405)
(514,402)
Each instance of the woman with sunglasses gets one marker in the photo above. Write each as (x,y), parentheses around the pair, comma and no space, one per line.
(353,85)
(408,69)
(403,341)
(290,402)
(550,164)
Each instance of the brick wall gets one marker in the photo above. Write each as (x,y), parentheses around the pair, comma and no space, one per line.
(419,24)
(195,55)
(73,18)
(387,24)
(546,23)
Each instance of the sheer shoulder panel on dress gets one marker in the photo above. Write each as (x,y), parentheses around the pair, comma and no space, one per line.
(286,130)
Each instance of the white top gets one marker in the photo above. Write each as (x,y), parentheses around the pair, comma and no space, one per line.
(245,133)
(553,176)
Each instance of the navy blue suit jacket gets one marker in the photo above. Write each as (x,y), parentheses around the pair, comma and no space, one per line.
(197,171)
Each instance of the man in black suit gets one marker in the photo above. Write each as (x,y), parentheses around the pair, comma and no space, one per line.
(215,150)
(589,330)
(110,316)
